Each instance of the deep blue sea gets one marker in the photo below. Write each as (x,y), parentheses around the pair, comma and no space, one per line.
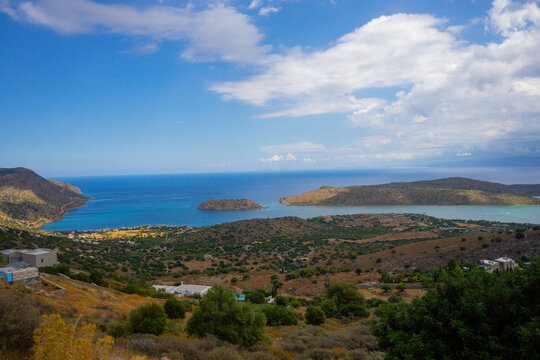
(121,201)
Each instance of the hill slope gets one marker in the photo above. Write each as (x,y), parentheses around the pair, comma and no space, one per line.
(448,191)
(24,195)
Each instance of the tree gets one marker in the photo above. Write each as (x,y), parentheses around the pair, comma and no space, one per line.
(279,315)
(469,315)
(175,309)
(329,307)
(230,320)
(276,284)
(255,296)
(18,319)
(148,318)
(315,315)
(386,288)
(344,293)
(401,287)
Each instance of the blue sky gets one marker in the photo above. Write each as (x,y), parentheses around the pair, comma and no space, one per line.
(95,87)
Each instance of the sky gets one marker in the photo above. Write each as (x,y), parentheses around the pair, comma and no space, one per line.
(109,87)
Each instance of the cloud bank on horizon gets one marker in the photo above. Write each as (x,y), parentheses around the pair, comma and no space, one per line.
(444,96)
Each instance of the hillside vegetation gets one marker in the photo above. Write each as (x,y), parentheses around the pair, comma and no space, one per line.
(24,195)
(449,191)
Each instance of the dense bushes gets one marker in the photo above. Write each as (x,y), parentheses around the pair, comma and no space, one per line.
(18,319)
(95,276)
(279,315)
(175,309)
(148,319)
(315,315)
(467,315)
(343,299)
(356,341)
(220,314)
(256,296)
(120,328)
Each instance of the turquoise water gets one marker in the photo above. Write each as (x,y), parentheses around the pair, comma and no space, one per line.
(173,199)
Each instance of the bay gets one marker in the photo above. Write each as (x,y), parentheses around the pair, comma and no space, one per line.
(121,201)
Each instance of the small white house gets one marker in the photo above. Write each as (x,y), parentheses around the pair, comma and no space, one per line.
(505,263)
(183,290)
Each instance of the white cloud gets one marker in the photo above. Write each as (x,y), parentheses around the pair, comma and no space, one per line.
(273,158)
(464,154)
(290,157)
(308,160)
(506,16)
(267,10)
(299,147)
(255,4)
(449,95)
(218,32)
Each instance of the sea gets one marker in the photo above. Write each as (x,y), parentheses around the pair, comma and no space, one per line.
(126,201)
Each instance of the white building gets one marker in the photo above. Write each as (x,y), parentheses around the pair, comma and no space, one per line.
(489,265)
(501,264)
(505,263)
(183,290)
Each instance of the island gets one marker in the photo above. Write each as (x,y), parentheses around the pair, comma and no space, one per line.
(28,197)
(448,191)
(229,204)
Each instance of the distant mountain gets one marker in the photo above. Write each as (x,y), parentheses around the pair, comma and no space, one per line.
(448,191)
(229,204)
(24,195)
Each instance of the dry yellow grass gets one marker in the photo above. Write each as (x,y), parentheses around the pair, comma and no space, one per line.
(91,301)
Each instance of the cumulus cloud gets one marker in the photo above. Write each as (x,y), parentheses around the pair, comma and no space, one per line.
(448,94)
(218,32)
(278,157)
(273,158)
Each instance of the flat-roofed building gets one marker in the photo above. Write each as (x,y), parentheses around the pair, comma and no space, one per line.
(506,263)
(19,276)
(183,290)
(36,257)
(489,265)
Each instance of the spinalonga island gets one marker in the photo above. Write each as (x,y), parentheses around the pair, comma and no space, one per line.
(229,204)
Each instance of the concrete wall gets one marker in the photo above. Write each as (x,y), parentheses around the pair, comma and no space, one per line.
(41,259)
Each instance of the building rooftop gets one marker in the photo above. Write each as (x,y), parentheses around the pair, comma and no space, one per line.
(19,264)
(39,251)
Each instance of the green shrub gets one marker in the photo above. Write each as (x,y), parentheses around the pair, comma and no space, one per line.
(120,328)
(315,315)
(148,319)
(175,309)
(255,296)
(401,287)
(230,320)
(329,307)
(279,315)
